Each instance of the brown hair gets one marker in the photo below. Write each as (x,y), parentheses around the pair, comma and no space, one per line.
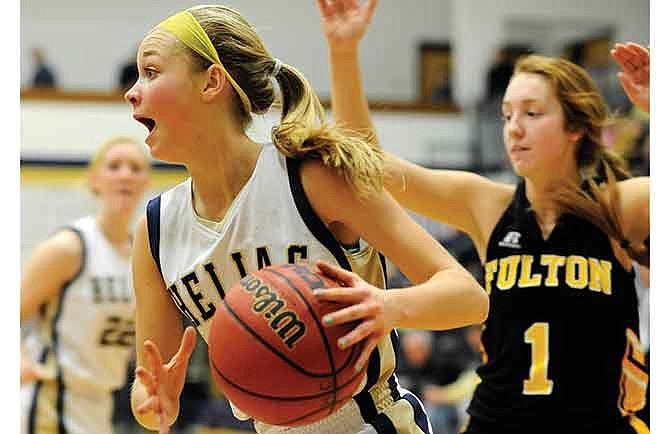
(303,131)
(585,111)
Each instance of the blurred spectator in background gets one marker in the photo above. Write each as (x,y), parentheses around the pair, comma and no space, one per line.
(43,77)
(442,93)
(435,70)
(487,127)
(501,69)
(128,74)
(456,394)
(498,74)
(461,247)
(628,135)
(628,132)
(419,365)
(440,365)
(594,55)
(432,360)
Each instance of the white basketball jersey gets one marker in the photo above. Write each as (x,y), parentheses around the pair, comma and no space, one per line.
(85,337)
(269,222)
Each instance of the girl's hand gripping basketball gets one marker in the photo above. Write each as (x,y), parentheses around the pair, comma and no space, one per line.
(344,22)
(165,382)
(367,304)
(634,77)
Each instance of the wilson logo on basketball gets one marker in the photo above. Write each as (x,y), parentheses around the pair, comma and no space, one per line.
(285,322)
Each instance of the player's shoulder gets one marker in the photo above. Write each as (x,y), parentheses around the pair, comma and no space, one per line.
(61,254)
(66,241)
(169,202)
(635,208)
(634,189)
(492,204)
(316,167)
(487,197)
(502,192)
(317,177)
(177,190)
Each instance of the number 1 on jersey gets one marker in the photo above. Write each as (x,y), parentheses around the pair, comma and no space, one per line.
(538,383)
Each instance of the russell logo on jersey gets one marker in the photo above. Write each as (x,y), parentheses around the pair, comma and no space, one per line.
(511,240)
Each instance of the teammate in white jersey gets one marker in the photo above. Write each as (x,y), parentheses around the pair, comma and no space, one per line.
(76,286)
(203,72)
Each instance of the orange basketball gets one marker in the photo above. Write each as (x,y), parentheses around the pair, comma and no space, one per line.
(270,355)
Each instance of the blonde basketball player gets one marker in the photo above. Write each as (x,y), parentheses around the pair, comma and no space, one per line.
(315,193)
(556,249)
(76,286)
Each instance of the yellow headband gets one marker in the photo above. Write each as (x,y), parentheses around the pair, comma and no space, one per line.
(189,31)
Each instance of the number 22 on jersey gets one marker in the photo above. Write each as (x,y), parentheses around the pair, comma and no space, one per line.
(538,382)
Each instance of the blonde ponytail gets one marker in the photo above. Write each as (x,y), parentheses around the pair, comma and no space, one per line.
(304,133)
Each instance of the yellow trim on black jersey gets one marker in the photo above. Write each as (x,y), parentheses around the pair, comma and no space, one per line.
(638,425)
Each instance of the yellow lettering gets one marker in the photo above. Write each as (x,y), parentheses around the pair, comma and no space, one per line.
(553,262)
(600,272)
(526,280)
(491,267)
(508,271)
(576,272)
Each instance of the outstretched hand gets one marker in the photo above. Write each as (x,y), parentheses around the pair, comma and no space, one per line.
(344,22)
(634,61)
(165,382)
(366,304)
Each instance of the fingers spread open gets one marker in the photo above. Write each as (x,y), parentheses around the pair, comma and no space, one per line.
(628,83)
(338,6)
(369,10)
(325,8)
(624,59)
(351,5)
(149,405)
(153,355)
(163,425)
(147,379)
(186,348)
(631,57)
(641,52)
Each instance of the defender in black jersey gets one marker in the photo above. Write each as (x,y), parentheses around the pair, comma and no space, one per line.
(561,341)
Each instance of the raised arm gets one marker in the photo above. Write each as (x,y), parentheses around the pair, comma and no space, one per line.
(157,386)
(634,61)
(344,23)
(464,200)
